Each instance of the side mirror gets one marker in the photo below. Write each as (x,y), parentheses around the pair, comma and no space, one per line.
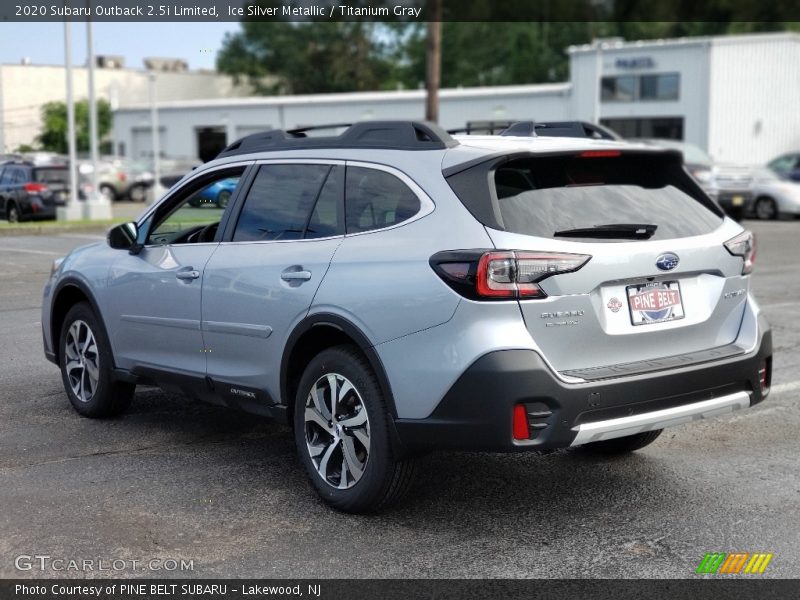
(123,237)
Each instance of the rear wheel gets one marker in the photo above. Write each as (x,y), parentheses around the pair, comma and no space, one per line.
(341,428)
(138,193)
(87,366)
(766,209)
(12,213)
(623,445)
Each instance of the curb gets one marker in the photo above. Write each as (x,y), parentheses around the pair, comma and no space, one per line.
(54,229)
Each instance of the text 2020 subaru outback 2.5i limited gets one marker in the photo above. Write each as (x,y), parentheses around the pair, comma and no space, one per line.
(393,290)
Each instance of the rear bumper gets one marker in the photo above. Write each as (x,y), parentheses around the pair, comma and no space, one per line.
(476,413)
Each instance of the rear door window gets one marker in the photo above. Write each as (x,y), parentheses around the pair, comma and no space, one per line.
(544,196)
(290,202)
(377,199)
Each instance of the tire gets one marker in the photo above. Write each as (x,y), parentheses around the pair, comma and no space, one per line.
(223,198)
(623,445)
(766,209)
(137,193)
(87,370)
(372,477)
(108,192)
(12,213)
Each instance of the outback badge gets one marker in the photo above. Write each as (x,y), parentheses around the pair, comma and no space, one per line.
(667,261)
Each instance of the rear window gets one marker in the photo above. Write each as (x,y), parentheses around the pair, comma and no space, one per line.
(51,175)
(543,196)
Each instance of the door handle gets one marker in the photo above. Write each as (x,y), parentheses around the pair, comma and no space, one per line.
(187,275)
(296,275)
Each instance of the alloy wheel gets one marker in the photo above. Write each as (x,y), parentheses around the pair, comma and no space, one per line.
(337,431)
(83,361)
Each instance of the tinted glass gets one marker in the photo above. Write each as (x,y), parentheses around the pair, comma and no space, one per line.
(377,199)
(5,176)
(279,202)
(51,175)
(619,89)
(540,197)
(659,87)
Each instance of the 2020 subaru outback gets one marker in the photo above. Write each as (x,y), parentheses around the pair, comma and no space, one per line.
(393,290)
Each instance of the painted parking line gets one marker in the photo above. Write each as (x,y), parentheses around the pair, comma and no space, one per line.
(25,251)
(789,386)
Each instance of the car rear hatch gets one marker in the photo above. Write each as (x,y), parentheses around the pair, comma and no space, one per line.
(630,265)
(53,183)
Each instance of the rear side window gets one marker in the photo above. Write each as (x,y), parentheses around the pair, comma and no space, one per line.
(377,199)
(282,201)
(549,195)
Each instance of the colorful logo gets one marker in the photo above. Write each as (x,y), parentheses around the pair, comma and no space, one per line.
(734,563)
(614,305)
(667,261)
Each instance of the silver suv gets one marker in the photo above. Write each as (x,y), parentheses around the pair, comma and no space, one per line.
(393,290)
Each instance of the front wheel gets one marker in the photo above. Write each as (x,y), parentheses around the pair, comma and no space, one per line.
(87,366)
(623,445)
(223,198)
(341,428)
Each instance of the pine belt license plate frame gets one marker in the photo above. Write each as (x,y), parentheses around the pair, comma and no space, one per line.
(655,302)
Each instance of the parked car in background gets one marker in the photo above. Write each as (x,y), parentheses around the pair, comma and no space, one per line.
(776,188)
(28,191)
(728,184)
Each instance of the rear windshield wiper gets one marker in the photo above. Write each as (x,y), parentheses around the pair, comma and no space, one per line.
(633,231)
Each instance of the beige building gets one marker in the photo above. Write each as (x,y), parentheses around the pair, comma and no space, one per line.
(24,88)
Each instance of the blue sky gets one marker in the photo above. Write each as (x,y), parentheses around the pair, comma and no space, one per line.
(43,43)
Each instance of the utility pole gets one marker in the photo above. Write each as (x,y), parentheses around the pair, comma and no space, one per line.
(72,211)
(155,135)
(434,61)
(98,206)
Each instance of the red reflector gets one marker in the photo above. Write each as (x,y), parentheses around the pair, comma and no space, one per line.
(520,422)
(35,188)
(600,153)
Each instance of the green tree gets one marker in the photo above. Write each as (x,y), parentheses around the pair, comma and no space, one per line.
(54,125)
(303,58)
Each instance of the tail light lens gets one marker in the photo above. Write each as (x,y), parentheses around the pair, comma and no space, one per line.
(503,275)
(743,245)
(122,176)
(519,423)
(35,188)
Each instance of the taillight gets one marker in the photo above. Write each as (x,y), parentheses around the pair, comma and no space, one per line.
(743,245)
(503,274)
(600,154)
(35,188)
(122,176)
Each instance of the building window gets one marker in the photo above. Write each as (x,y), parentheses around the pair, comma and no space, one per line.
(659,87)
(630,88)
(670,128)
(619,89)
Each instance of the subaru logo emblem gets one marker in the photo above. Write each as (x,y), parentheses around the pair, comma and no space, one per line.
(667,262)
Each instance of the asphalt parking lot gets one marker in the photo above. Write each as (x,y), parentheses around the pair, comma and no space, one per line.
(176,480)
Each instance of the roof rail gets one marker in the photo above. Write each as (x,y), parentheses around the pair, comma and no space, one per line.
(387,135)
(577,129)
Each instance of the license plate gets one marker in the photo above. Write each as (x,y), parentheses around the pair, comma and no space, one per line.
(655,302)
(738,200)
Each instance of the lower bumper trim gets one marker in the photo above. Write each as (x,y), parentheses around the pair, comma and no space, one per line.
(658,419)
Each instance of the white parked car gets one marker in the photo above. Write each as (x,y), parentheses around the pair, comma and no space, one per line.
(776,188)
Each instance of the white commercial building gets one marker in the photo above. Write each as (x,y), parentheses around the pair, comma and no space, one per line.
(25,88)
(736,96)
